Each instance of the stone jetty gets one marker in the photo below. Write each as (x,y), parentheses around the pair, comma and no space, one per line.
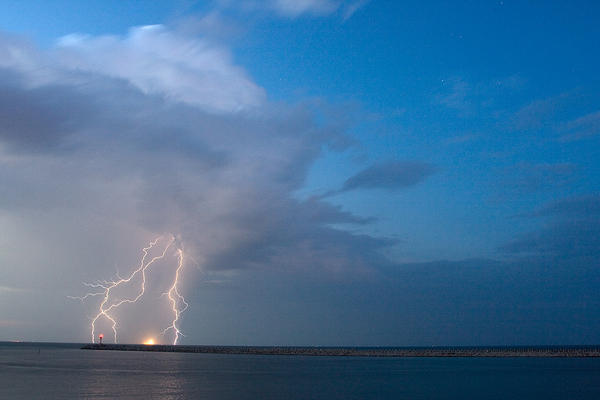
(519,351)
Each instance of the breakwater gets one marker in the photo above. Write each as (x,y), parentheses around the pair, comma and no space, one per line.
(519,351)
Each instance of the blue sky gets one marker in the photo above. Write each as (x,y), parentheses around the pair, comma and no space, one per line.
(319,150)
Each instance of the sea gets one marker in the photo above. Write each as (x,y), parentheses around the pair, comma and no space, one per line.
(64,371)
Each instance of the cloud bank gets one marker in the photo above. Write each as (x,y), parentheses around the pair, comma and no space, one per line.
(162,132)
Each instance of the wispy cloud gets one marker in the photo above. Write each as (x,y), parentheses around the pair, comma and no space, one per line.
(468,97)
(390,175)
(581,128)
(294,8)
(456,95)
(352,7)
(525,177)
(538,113)
(297,8)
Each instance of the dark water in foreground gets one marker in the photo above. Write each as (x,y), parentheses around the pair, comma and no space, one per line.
(65,371)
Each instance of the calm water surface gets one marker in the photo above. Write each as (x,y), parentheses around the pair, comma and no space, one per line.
(36,371)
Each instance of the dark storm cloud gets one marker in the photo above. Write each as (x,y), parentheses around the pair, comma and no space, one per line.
(38,118)
(572,231)
(485,301)
(295,235)
(147,154)
(463,302)
(571,239)
(390,175)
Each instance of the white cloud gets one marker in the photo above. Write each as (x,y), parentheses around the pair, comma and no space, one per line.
(158,61)
(294,8)
(297,8)
(581,128)
(353,7)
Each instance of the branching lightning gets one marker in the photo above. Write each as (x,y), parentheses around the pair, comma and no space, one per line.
(176,299)
(106,288)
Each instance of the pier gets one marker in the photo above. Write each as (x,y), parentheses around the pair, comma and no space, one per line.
(518,351)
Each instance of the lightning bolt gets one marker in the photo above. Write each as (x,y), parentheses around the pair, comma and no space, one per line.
(176,300)
(106,287)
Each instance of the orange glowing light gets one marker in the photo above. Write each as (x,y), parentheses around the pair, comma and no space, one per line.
(101,335)
(149,341)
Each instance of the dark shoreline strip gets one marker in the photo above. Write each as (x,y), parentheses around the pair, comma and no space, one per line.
(569,351)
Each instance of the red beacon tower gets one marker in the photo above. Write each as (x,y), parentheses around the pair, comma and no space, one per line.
(101,336)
